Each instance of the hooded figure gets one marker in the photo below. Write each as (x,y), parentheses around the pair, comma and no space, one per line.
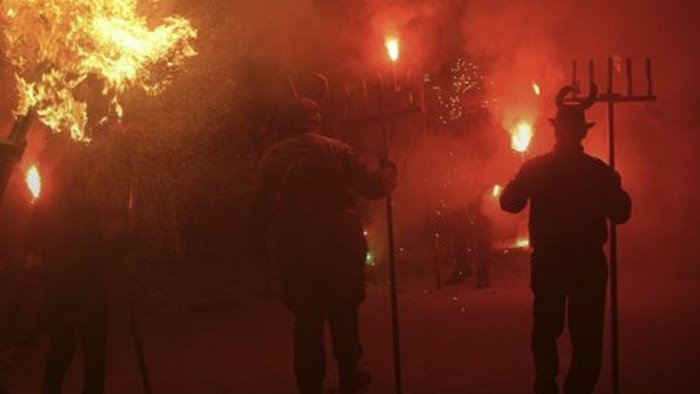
(572,196)
(306,220)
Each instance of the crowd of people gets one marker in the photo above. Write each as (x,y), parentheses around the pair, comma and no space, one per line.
(309,184)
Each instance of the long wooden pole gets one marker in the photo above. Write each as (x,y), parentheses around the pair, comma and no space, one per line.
(12,149)
(392,257)
(614,303)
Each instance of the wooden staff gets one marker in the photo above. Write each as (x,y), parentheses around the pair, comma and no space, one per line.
(392,255)
(12,149)
(614,303)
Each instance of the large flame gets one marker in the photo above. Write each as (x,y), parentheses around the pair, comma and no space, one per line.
(521,135)
(33,181)
(393,49)
(56,45)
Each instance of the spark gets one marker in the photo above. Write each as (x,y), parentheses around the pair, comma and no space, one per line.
(464,77)
(536,88)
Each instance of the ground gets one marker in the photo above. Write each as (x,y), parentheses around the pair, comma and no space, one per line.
(456,340)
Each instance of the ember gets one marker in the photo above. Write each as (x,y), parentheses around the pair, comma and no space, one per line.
(536,88)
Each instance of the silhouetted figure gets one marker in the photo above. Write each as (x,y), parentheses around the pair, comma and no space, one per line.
(65,234)
(572,195)
(305,215)
(472,243)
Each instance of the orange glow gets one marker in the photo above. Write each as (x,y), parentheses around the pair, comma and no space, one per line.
(57,45)
(522,243)
(33,180)
(393,48)
(521,136)
(536,88)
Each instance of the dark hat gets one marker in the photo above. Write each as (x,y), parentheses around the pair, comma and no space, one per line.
(571,115)
(304,112)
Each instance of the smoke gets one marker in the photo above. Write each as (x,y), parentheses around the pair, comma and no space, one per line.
(246,47)
(536,40)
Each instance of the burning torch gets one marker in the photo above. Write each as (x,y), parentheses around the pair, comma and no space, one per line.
(57,45)
(393,51)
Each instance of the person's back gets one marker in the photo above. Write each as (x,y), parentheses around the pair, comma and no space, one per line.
(308,190)
(571,196)
(305,217)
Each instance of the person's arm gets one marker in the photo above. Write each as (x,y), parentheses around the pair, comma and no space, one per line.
(516,193)
(619,202)
(371,185)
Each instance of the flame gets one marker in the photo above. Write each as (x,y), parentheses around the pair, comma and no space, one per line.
(393,49)
(33,181)
(521,136)
(496,192)
(536,88)
(56,45)
(522,243)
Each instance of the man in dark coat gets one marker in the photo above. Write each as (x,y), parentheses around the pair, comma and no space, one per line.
(305,216)
(65,234)
(571,195)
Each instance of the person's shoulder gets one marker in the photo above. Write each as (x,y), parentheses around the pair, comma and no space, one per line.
(333,145)
(599,165)
(538,162)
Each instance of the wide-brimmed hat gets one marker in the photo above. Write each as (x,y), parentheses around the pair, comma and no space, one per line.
(571,113)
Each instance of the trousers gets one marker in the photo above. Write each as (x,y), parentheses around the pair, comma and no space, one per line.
(568,283)
(70,320)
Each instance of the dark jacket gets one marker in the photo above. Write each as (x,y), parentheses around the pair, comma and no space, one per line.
(571,196)
(304,208)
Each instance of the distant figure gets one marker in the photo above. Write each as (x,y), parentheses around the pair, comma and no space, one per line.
(305,216)
(472,244)
(64,234)
(572,195)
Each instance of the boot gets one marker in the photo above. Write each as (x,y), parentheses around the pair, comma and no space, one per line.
(354,380)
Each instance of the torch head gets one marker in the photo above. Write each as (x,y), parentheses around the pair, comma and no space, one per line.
(570,123)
